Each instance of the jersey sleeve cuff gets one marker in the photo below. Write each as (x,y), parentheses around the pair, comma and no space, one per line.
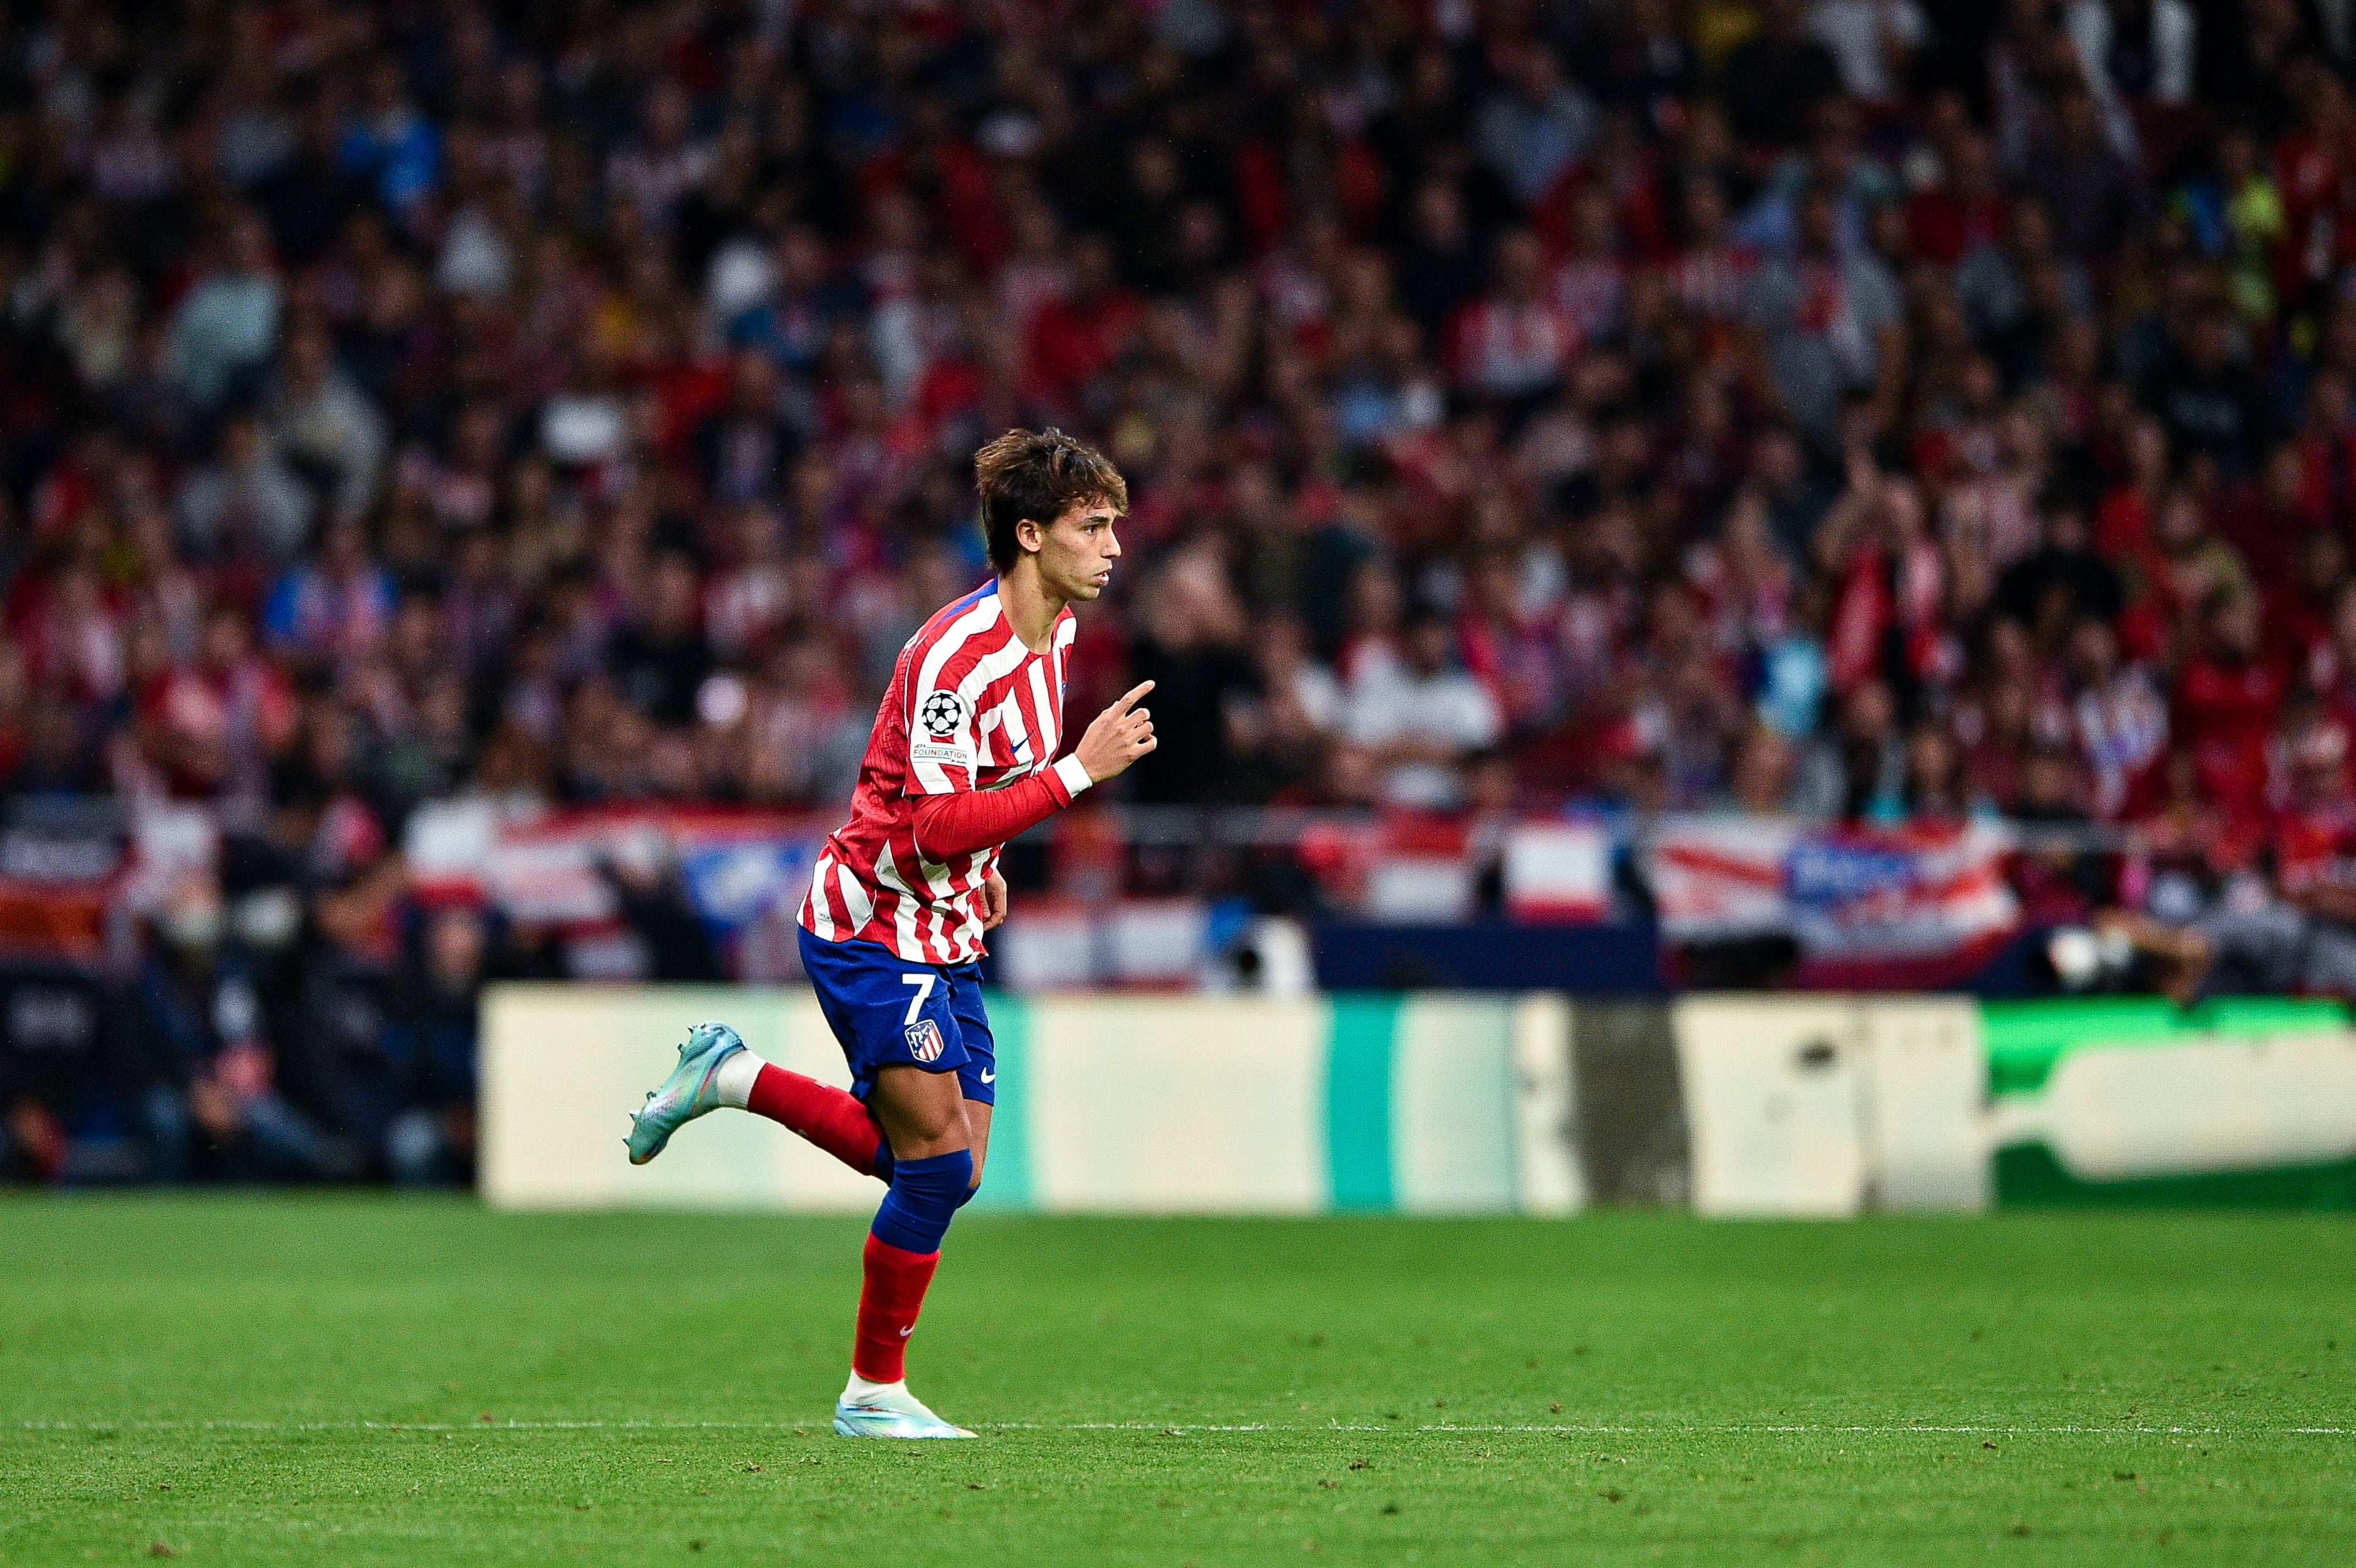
(1073,776)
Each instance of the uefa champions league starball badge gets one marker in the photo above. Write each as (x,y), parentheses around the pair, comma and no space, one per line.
(942,713)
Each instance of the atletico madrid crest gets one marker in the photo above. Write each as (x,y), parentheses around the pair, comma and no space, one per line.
(925,1041)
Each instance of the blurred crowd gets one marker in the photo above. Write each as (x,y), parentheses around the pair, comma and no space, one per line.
(1874,409)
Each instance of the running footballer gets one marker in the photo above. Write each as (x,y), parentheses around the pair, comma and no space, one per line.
(962,758)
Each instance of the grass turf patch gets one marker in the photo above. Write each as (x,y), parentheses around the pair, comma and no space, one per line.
(267,1379)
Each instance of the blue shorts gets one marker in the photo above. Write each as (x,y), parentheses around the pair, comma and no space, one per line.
(889,1012)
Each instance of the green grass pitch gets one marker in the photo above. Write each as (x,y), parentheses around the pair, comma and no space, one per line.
(256,1380)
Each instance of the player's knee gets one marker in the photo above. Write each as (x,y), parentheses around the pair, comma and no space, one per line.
(942,1180)
(925,1195)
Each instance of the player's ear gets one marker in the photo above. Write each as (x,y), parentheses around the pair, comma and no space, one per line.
(1029,536)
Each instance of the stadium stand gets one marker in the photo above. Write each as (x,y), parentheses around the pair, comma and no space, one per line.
(1588,459)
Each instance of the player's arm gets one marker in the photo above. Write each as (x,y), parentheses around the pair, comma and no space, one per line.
(964,821)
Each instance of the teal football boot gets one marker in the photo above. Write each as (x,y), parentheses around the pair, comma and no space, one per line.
(687,1093)
(892,1413)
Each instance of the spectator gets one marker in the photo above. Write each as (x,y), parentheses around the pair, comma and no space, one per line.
(1775,83)
(659,657)
(432,1039)
(2121,721)
(2206,395)
(246,502)
(1651,68)
(651,893)
(1826,320)
(335,1043)
(1875,42)
(207,1079)
(1535,126)
(322,422)
(1420,715)
(1759,782)
(2135,52)
(1191,644)
(1859,772)
(746,448)
(1280,736)
(803,733)
(389,141)
(227,325)
(1513,343)
(2053,587)
(1439,266)
(2227,698)
(209,728)
(2093,195)
(337,605)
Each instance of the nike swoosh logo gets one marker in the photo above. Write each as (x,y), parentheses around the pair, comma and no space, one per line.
(908,1330)
(990,1076)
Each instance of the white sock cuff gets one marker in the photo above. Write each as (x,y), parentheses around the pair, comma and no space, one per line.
(859,1391)
(735,1078)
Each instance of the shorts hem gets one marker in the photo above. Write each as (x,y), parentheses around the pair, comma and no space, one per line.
(935,1070)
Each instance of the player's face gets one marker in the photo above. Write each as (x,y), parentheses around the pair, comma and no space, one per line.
(1076,552)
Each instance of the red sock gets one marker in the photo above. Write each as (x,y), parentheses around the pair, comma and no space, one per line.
(822,1113)
(888,1304)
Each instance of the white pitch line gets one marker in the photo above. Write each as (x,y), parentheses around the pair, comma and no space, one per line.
(1185,1428)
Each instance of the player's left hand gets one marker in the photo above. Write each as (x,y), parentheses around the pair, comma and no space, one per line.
(993,900)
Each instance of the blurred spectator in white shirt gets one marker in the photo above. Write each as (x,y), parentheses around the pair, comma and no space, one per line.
(1421,713)
(1874,42)
(246,500)
(324,423)
(227,324)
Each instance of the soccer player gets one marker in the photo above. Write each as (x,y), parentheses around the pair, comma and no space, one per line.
(962,758)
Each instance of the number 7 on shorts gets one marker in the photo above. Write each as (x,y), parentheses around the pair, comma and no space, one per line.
(924,984)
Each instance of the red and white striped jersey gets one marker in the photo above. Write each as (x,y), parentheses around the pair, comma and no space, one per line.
(970,707)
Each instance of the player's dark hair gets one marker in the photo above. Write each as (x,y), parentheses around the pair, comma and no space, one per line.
(1039,474)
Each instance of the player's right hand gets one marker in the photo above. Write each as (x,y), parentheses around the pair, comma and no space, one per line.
(1120,734)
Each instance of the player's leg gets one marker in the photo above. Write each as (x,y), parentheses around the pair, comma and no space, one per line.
(921,1112)
(978,1118)
(831,1118)
(978,1078)
(715,1069)
(872,999)
(924,1116)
